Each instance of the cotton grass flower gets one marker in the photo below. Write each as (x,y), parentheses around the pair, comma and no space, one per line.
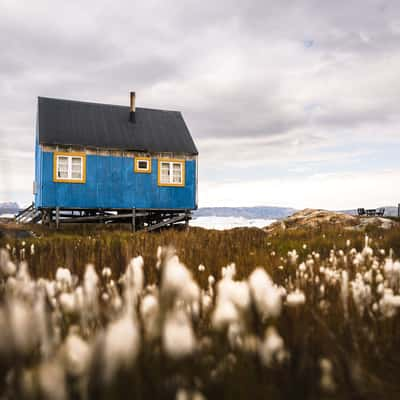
(23,275)
(77,355)
(296,298)
(225,313)
(327,382)
(361,292)
(52,381)
(149,311)
(206,302)
(229,271)
(7,267)
(237,292)
(67,303)
(272,348)
(90,283)
(178,338)
(266,296)
(183,394)
(106,272)
(177,281)
(23,327)
(293,257)
(389,303)
(133,281)
(6,338)
(134,274)
(233,299)
(63,276)
(121,346)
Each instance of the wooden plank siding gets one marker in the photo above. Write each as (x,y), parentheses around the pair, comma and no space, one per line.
(112,183)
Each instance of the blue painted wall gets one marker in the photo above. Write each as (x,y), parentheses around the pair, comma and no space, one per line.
(112,183)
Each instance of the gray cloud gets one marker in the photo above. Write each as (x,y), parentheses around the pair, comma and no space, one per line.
(236,69)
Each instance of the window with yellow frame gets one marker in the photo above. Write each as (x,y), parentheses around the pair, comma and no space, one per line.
(142,165)
(171,172)
(69,167)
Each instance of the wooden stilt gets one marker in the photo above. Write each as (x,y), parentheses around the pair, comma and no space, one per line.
(133,220)
(49,217)
(186,220)
(57,217)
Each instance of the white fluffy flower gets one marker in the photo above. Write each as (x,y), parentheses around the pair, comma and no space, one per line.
(206,302)
(177,280)
(361,292)
(389,303)
(121,346)
(52,381)
(77,354)
(295,298)
(183,394)
(149,309)
(272,349)
(67,302)
(63,277)
(224,314)
(133,281)
(106,272)
(293,257)
(135,274)
(7,267)
(229,271)
(236,292)
(90,281)
(327,382)
(233,297)
(178,337)
(23,326)
(266,296)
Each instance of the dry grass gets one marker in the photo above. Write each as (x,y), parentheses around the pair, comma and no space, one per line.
(363,347)
(246,247)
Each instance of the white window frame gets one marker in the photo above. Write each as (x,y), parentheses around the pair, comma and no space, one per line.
(170,181)
(69,177)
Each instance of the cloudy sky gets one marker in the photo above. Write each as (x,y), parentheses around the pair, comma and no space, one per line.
(291,103)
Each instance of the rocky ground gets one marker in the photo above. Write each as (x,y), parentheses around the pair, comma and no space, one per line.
(312,219)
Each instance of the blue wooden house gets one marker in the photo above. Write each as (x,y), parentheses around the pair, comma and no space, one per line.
(112,163)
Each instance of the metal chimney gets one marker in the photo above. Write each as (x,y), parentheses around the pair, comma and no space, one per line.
(132,114)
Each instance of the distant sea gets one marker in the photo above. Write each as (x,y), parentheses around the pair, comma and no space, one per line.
(222,223)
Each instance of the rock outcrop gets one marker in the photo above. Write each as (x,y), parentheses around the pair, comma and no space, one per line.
(312,219)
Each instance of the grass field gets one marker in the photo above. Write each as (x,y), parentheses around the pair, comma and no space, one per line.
(200,314)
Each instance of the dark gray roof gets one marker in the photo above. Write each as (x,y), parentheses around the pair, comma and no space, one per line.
(68,122)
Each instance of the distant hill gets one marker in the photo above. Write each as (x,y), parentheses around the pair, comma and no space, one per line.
(264,212)
(9,208)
